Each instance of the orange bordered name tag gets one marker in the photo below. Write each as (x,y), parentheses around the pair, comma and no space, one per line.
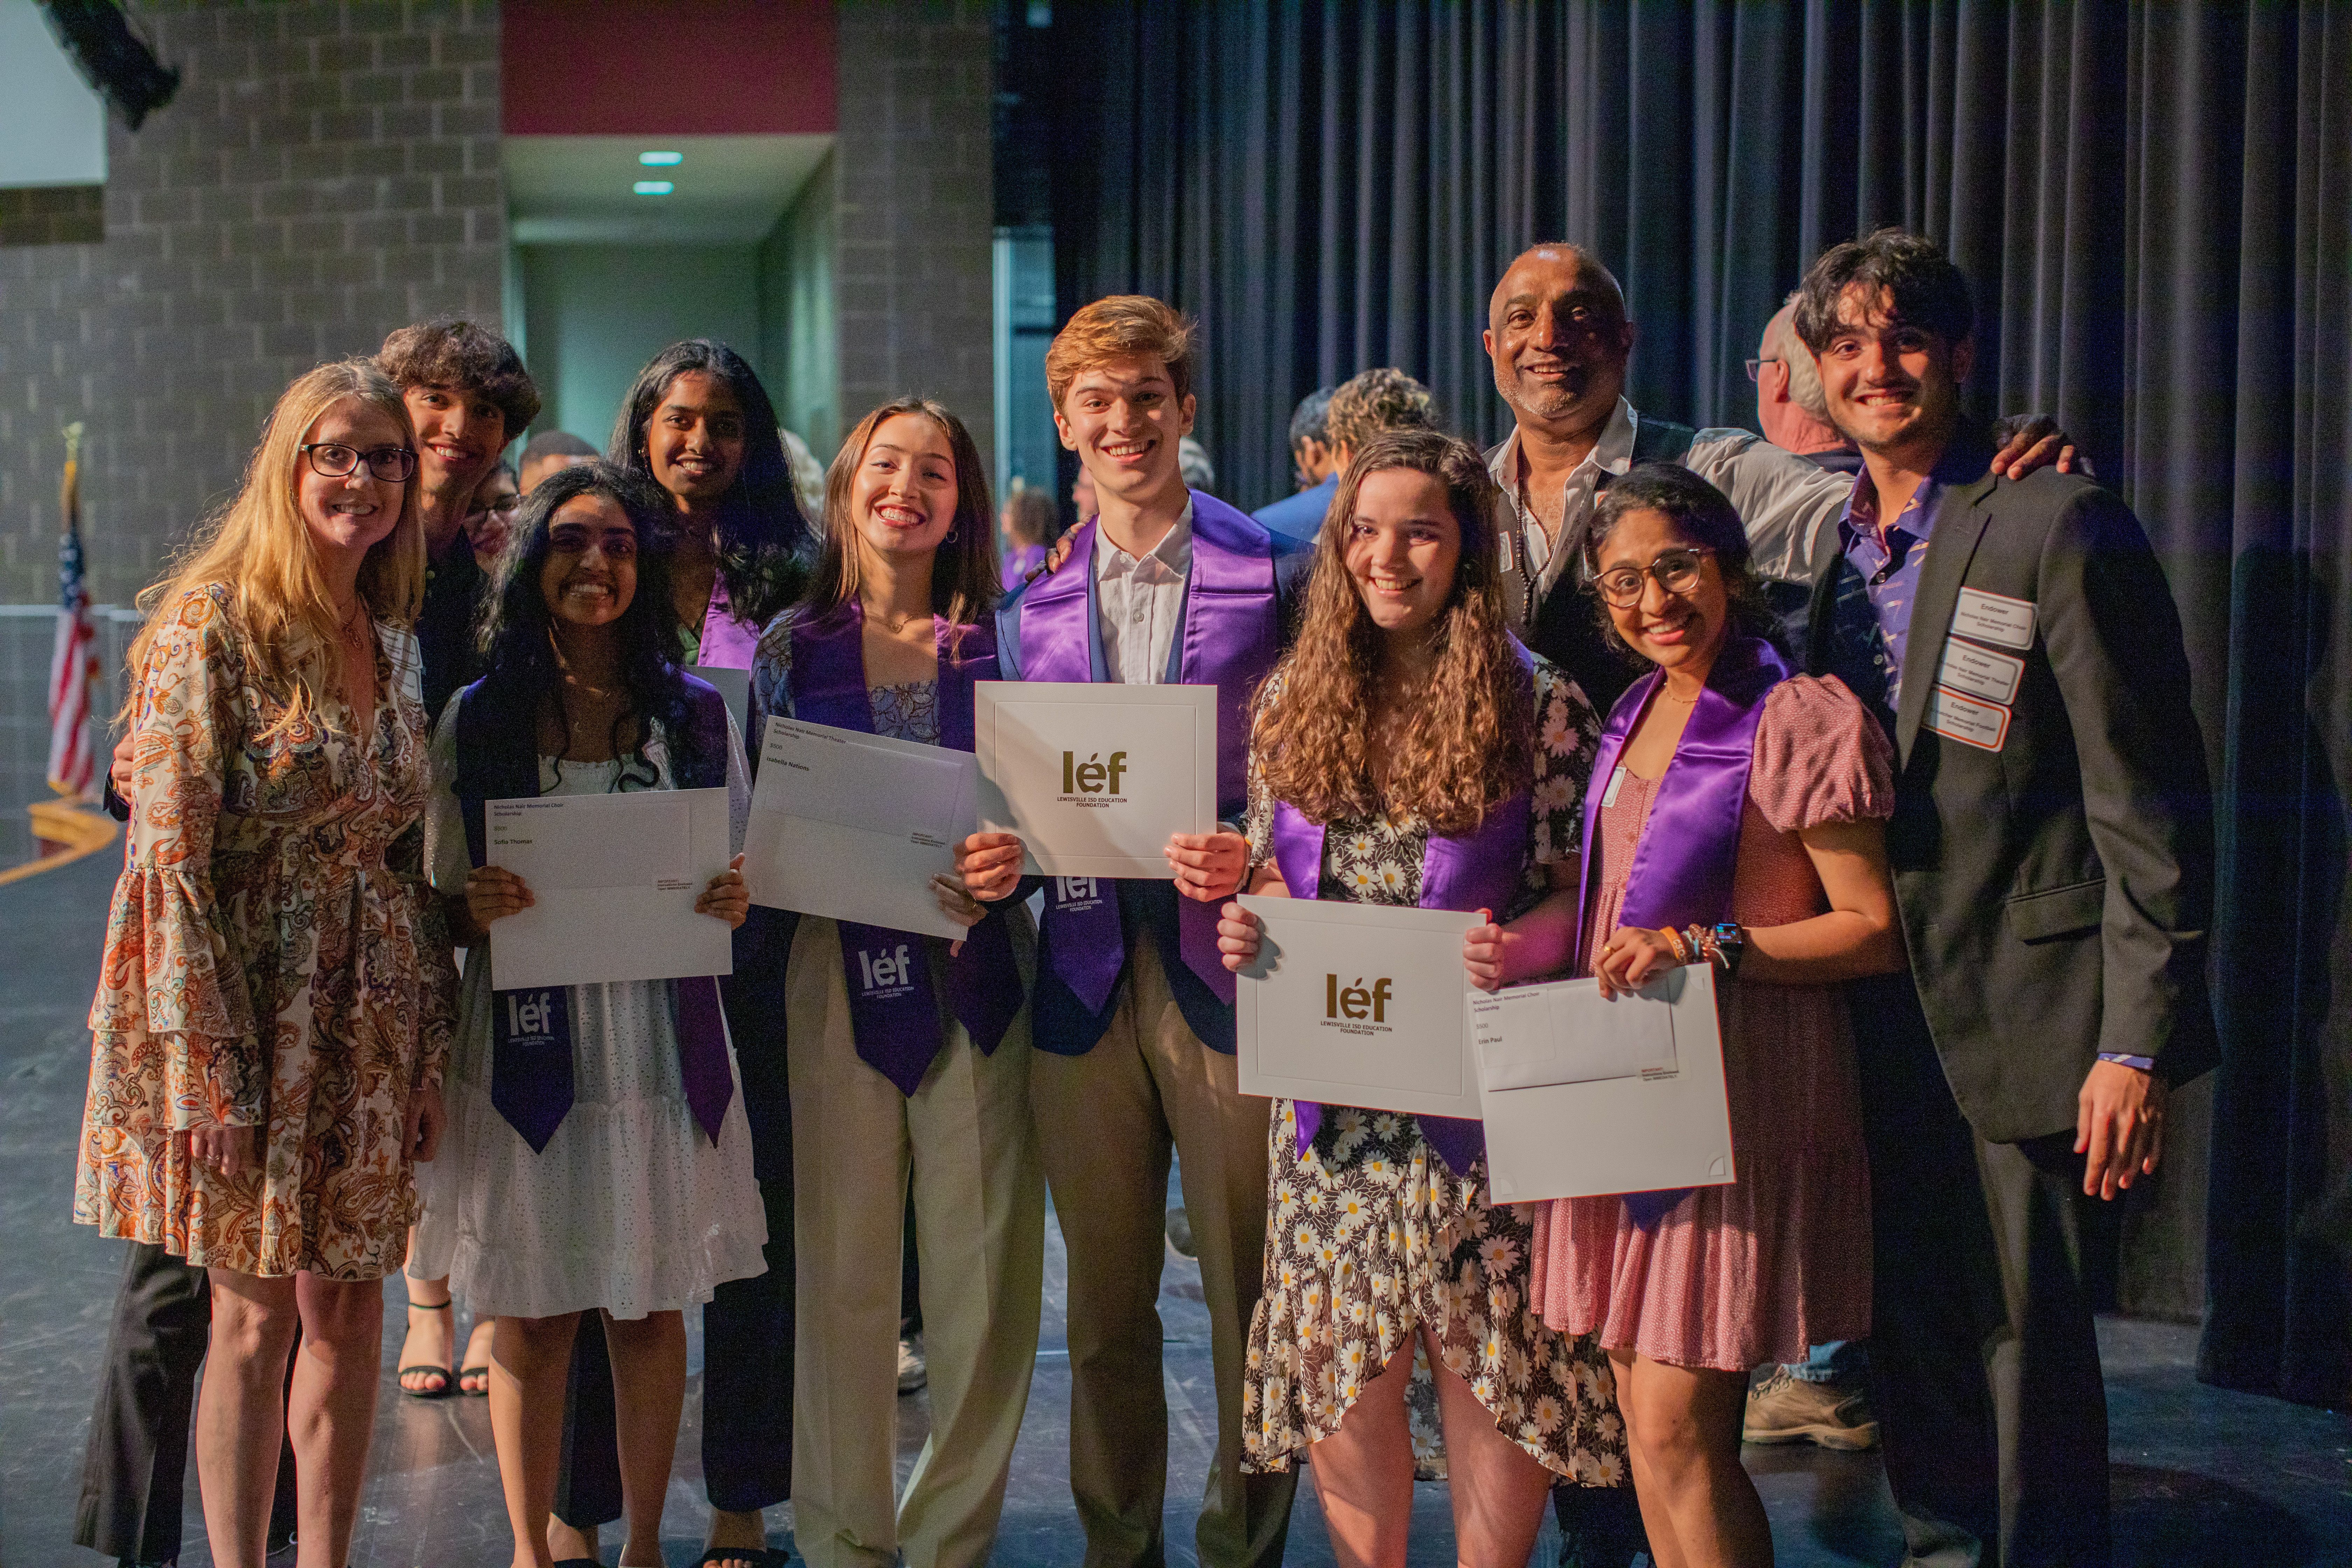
(1970,720)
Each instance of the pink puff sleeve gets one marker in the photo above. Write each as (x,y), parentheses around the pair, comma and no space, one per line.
(1821,757)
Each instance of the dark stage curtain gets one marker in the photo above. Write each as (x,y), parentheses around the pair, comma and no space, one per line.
(2154,203)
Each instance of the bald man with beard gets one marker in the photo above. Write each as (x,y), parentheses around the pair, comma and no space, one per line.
(1560,339)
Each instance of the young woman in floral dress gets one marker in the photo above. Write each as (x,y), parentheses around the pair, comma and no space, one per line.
(1410,752)
(270,1025)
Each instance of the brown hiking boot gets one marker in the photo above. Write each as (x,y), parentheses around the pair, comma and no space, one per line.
(1784,1409)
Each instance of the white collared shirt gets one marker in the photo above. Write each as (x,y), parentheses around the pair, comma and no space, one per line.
(1140,602)
(1786,500)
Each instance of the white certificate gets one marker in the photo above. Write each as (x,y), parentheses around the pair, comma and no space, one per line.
(854,825)
(1357,1005)
(1096,777)
(1586,1095)
(614,877)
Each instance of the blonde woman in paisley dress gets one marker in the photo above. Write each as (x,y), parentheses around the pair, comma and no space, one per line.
(270,1028)
(1410,752)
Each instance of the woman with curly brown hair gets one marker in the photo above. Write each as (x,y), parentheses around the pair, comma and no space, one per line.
(1410,752)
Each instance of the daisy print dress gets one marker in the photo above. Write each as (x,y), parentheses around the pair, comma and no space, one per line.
(1370,1236)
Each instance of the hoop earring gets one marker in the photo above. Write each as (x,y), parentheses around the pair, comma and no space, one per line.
(954,534)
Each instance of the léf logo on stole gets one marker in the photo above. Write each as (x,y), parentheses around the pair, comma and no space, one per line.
(887,973)
(530,1015)
(1093,782)
(1078,894)
(1353,1009)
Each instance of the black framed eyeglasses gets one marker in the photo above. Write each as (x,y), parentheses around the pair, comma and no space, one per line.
(1675,570)
(333,460)
(1756,366)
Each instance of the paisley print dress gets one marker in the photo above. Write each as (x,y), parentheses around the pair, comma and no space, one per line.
(1372,1236)
(272,960)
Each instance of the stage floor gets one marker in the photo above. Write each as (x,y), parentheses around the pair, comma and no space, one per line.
(2202,1477)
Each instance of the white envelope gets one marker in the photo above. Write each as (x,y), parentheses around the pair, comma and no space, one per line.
(855,826)
(1096,777)
(614,877)
(1357,1005)
(1586,1095)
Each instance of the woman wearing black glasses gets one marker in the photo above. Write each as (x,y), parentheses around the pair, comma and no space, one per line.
(1736,816)
(275,1006)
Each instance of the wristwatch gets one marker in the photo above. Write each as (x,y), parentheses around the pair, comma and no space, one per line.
(1730,945)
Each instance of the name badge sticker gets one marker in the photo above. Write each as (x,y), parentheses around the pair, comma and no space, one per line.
(1979,671)
(1958,716)
(1994,618)
(1616,783)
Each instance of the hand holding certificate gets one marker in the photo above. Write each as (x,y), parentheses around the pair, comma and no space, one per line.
(603,887)
(1095,779)
(1588,1094)
(1357,1005)
(856,826)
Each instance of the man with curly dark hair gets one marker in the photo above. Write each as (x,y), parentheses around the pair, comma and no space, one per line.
(467,395)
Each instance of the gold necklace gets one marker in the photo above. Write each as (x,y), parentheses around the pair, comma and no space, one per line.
(899,627)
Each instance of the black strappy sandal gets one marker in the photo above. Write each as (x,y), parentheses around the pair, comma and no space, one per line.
(449,1379)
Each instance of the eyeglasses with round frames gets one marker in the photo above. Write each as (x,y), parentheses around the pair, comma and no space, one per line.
(1675,570)
(333,460)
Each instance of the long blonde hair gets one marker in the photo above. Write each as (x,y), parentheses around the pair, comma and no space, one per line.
(1467,742)
(258,547)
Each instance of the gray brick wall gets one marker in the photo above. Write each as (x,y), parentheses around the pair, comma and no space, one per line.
(917,209)
(329,170)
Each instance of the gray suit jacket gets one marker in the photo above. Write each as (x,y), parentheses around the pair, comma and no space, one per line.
(2055,893)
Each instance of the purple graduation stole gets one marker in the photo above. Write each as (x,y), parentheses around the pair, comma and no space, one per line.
(531,1030)
(1477,870)
(1231,638)
(892,1015)
(1682,866)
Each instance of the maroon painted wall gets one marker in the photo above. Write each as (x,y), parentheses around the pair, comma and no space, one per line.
(668,68)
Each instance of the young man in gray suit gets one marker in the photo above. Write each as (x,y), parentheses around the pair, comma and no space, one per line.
(2051,846)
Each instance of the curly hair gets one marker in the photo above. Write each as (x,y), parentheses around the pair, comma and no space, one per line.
(1375,400)
(1702,514)
(1467,742)
(449,351)
(1909,272)
(524,679)
(761,536)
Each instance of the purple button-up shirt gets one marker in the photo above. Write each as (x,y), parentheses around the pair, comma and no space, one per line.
(1889,568)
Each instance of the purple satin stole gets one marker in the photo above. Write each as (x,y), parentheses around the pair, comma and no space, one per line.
(1477,870)
(892,1015)
(1689,849)
(727,641)
(1230,639)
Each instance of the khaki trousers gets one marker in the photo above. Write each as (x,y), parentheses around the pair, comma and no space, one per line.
(965,1140)
(1106,1121)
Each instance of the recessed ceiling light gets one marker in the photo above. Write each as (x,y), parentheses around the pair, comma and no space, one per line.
(660,160)
(654,187)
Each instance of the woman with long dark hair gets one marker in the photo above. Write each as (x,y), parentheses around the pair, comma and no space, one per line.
(1409,751)
(909,1056)
(699,424)
(607,1166)
(1776,787)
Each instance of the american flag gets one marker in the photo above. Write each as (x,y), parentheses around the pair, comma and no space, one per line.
(73,667)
